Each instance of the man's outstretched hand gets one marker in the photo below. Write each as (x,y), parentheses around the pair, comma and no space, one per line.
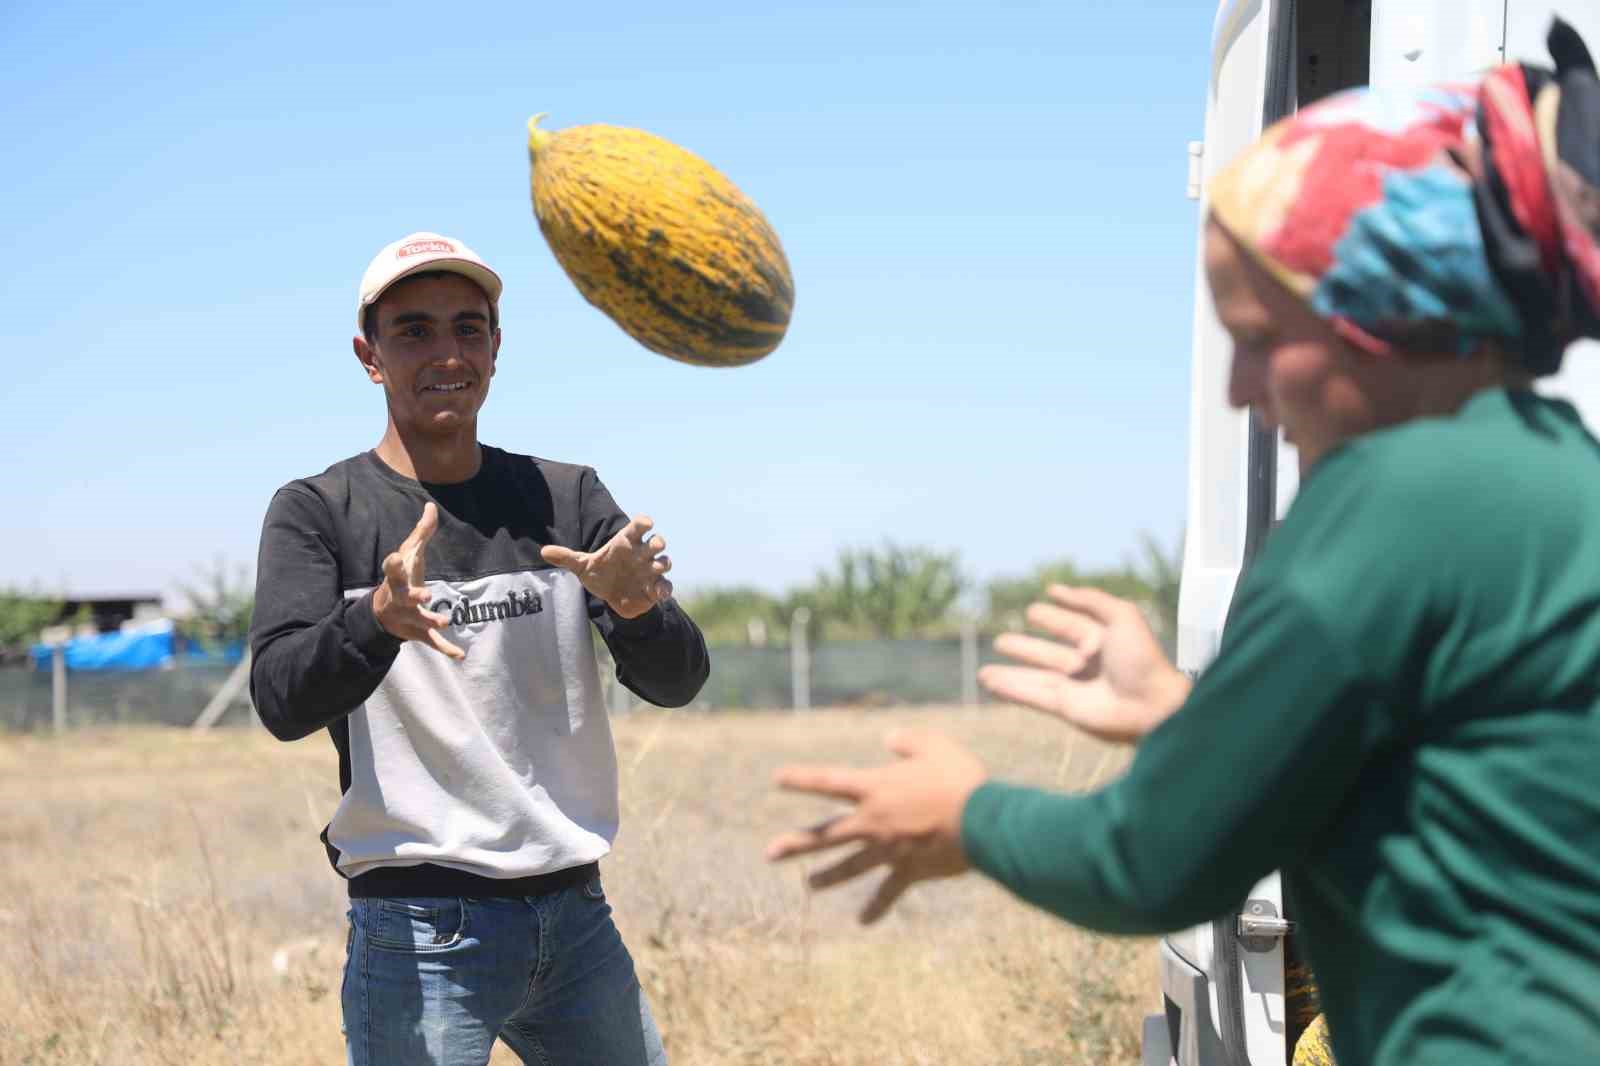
(400,603)
(627,572)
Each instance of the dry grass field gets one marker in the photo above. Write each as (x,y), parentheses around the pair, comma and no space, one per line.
(166,901)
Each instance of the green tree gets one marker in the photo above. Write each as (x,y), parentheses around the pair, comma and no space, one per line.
(889,592)
(1152,582)
(727,615)
(220,606)
(1162,574)
(1008,597)
(23,615)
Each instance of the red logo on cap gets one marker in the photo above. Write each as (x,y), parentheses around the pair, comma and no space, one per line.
(424,247)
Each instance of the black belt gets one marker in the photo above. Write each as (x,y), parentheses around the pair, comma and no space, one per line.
(427,879)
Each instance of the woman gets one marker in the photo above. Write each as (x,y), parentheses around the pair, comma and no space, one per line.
(1404,715)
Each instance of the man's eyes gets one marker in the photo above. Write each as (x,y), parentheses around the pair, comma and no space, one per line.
(418,331)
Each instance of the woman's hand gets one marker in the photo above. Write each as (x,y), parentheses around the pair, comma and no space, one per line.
(906,816)
(1104,672)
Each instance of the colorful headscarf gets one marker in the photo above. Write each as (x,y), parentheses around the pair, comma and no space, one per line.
(1433,220)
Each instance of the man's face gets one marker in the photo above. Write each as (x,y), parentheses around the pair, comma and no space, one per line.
(433,352)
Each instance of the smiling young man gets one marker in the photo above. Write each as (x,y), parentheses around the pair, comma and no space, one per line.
(429,604)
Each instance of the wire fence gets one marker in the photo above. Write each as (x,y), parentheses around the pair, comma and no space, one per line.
(845,673)
(865,673)
(169,696)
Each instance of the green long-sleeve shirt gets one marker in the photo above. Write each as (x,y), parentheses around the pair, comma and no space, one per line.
(1404,717)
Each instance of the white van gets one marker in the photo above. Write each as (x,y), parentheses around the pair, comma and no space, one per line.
(1223,984)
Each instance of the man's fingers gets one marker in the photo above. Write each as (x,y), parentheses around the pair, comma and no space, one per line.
(557,555)
(424,529)
(444,646)
(403,566)
(394,571)
(836,782)
(1076,628)
(1047,654)
(854,865)
(1096,603)
(653,546)
(840,829)
(638,528)
(890,889)
(663,590)
(661,564)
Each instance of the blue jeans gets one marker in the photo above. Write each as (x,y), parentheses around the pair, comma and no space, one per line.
(433,981)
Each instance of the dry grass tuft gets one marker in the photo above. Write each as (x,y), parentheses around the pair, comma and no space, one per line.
(169,903)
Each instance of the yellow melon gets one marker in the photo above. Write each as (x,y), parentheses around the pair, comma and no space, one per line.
(662,242)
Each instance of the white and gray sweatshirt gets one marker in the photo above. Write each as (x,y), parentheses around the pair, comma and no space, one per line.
(479,778)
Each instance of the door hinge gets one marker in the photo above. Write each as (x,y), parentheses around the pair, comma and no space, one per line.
(1260,926)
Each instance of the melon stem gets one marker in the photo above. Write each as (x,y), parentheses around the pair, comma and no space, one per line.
(537,138)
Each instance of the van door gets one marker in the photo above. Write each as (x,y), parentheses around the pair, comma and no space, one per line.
(1527,26)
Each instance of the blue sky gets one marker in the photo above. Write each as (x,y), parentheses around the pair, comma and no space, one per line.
(983,206)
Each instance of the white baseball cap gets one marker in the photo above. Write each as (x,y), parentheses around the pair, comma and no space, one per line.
(415,253)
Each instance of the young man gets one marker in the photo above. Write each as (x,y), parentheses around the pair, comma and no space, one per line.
(428,603)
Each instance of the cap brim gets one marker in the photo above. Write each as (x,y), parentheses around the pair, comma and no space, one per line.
(480,275)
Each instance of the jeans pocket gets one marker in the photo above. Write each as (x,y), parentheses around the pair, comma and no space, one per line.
(416,926)
(344,981)
(593,890)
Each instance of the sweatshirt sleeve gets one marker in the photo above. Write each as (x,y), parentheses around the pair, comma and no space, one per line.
(1231,787)
(315,655)
(661,655)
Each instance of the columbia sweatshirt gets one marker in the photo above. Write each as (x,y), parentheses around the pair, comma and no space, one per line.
(457,778)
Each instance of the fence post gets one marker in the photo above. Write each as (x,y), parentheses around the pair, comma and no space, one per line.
(224,697)
(800,659)
(58,688)
(969,662)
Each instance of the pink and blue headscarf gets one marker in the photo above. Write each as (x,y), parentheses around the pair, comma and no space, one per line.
(1436,220)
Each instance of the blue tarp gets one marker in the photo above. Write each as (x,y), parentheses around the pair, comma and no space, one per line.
(144,648)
